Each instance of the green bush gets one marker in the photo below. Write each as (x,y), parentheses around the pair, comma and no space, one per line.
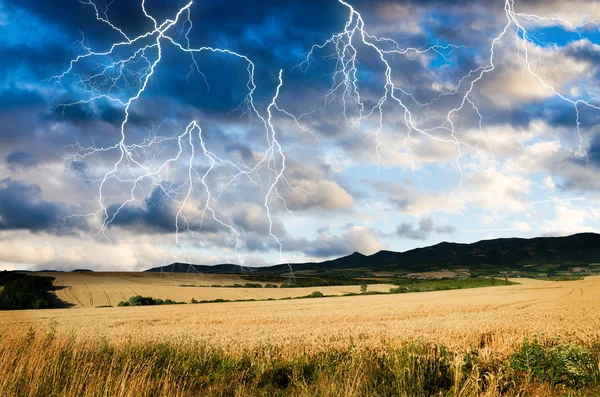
(23,291)
(564,364)
(315,294)
(139,300)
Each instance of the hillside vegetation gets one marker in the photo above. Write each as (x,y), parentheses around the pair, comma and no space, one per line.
(515,257)
(21,291)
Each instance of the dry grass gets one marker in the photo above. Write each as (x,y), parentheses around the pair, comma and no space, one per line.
(454,318)
(109,288)
(354,346)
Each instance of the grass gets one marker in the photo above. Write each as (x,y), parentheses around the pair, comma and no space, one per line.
(405,285)
(412,285)
(47,364)
(312,281)
(246,285)
(564,278)
(446,344)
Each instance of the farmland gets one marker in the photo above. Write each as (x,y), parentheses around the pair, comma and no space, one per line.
(490,325)
(89,289)
(453,318)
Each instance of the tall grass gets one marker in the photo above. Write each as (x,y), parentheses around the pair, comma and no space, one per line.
(62,365)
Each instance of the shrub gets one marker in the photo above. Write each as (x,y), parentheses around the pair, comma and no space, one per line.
(568,364)
(253,285)
(139,300)
(23,291)
(315,294)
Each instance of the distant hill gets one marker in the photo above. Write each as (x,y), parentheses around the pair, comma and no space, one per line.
(546,255)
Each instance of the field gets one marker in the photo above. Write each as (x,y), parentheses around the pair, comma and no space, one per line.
(459,342)
(453,318)
(90,289)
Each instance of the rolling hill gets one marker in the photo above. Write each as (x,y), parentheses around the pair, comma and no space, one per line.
(540,256)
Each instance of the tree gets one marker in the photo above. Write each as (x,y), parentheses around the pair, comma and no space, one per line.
(363,288)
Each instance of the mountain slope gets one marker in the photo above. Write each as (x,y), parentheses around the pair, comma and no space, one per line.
(541,254)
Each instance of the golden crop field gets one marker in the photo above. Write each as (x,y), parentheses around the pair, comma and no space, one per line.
(454,318)
(93,289)
(451,343)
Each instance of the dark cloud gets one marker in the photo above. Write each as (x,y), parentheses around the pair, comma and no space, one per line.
(425,229)
(19,160)
(23,207)
(243,150)
(17,98)
(157,214)
(80,168)
(593,152)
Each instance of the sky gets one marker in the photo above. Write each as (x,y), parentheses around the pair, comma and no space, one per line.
(134,133)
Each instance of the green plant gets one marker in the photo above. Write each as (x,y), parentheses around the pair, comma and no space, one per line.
(22,291)
(139,300)
(569,364)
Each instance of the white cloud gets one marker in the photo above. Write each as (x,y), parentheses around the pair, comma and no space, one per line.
(569,220)
(521,226)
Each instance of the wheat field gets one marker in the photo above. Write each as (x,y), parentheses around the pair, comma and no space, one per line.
(446,343)
(93,289)
(568,309)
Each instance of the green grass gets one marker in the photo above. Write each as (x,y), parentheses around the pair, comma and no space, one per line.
(313,281)
(564,278)
(412,285)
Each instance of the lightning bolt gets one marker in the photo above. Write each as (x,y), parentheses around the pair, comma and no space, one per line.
(123,80)
(346,85)
(133,74)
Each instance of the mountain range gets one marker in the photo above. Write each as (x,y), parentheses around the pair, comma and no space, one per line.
(515,256)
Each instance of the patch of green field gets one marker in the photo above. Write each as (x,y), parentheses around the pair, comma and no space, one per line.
(565,278)
(411,285)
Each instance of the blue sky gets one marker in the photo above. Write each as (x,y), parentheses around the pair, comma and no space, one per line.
(395,125)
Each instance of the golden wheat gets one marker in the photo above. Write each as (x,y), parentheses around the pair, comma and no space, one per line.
(349,346)
(500,316)
(109,288)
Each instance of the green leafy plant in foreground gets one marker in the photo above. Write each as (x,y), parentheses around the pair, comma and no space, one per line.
(568,364)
